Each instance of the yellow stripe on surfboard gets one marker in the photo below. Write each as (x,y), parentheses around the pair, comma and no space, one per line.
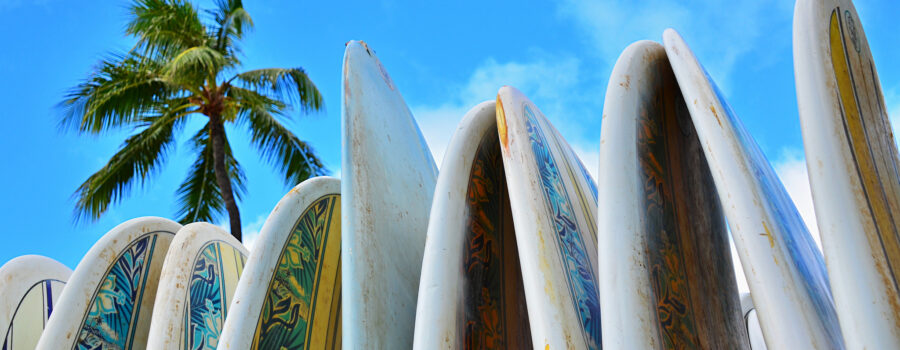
(883,237)
(328,291)
(302,309)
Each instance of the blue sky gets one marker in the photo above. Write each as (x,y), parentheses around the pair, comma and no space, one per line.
(444,57)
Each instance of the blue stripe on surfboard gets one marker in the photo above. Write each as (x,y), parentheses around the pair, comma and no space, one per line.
(805,256)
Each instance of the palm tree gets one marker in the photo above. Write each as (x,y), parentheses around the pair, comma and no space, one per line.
(185,66)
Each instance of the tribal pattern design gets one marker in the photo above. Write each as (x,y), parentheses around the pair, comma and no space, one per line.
(580,274)
(306,284)
(109,323)
(495,315)
(208,297)
(667,248)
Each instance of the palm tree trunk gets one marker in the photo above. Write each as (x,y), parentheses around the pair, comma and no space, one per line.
(217,136)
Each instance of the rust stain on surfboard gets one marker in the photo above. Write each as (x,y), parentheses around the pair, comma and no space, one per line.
(715,114)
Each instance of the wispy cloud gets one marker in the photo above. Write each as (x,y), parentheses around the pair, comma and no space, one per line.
(250,232)
(721,31)
(555,84)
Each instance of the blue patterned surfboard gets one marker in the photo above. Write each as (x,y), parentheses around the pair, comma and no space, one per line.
(109,298)
(554,206)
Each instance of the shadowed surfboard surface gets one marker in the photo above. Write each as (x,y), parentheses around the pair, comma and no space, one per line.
(853,169)
(662,230)
(198,280)
(289,296)
(30,286)
(471,294)
(108,301)
(784,268)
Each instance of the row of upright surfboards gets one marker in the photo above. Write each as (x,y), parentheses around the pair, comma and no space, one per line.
(513,244)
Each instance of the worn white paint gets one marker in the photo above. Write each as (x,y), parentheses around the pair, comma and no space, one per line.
(438,317)
(629,319)
(786,309)
(63,328)
(862,295)
(169,310)
(17,278)
(246,307)
(554,321)
(388,178)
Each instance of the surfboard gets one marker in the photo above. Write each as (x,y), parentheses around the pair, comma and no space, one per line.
(108,301)
(289,296)
(661,228)
(198,279)
(30,286)
(853,169)
(388,177)
(751,320)
(471,294)
(784,268)
(553,202)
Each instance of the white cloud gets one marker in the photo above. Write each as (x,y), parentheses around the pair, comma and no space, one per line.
(552,82)
(590,156)
(249,232)
(611,25)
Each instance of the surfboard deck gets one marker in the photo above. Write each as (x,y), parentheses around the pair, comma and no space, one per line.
(553,202)
(853,169)
(471,294)
(30,286)
(108,301)
(289,296)
(661,227)
(784,268)
(198,279)
(388,178)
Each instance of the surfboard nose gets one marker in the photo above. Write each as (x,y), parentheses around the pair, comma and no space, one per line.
(359,57)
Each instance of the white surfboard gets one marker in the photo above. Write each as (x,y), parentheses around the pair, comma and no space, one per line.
(751,319)
(388,178)
(198,279)
(30,286)
(853,169)
(108,301)
(289,296)
(471,294)
(784,268)
(667,280)
(554,206)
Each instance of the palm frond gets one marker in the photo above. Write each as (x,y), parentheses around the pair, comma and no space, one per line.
(119,92)
(198,62)
(165,27)
(232,21)
(199,197)
(286,84)
(294,159)
(136,160)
